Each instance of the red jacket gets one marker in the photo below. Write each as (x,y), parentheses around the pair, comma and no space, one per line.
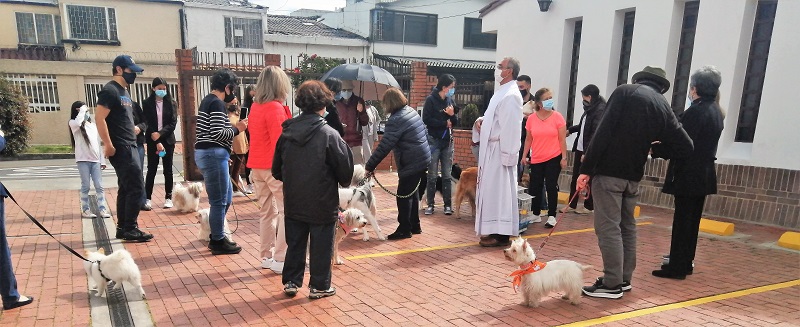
(349,115)
(264,124)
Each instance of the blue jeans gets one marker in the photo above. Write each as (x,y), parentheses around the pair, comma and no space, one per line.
(140,148)
(8,282)
(213,163)
(91,172)
(441,152)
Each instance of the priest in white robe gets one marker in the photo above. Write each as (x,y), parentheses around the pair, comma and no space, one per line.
(497,217)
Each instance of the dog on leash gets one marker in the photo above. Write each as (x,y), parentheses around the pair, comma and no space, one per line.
(363,199)
(205,228)
(348,219)
(358,175)
(455,172)
(117,267)
(467,187)
(187,199)
(536,279)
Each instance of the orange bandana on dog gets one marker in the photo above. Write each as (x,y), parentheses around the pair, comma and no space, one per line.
(529,268)
(342,223)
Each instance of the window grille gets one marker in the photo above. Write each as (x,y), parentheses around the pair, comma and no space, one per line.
(40,90)
(92,23)
(243,33)
(38,28)
(138,91)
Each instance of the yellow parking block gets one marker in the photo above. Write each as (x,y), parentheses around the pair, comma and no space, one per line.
(637,211)
(563,198)
(716,227)
(790,240)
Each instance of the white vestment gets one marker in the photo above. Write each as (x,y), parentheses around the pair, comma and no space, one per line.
(497,208)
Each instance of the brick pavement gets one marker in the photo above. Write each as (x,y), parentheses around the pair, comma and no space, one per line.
(459,284)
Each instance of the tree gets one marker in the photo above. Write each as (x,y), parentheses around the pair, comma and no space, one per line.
(14,118)
(312,67)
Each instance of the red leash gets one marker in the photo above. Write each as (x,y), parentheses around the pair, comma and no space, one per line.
(561,215)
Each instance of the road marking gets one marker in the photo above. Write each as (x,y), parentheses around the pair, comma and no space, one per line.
(461,245)
(684,304)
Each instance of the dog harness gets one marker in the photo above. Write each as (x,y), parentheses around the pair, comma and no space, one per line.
(342,222)
(101,270)
(528,268)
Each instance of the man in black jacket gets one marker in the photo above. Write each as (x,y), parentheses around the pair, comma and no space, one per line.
(637,115)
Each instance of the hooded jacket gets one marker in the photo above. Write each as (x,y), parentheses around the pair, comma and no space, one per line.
(312,161)
(405,135)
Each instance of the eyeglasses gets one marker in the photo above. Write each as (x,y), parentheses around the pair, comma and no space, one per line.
(500,66)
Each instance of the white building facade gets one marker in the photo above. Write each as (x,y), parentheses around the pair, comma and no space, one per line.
(580,42)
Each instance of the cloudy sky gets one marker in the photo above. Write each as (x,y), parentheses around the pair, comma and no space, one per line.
(284,7)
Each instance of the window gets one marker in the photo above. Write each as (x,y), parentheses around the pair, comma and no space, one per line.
(756,69)
(41,91)
(573,70)
(395,26)
(475,38)
(38,28)
(625,48)
(243,33)
(92,23)
(685,49)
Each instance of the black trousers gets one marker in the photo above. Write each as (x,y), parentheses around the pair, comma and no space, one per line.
(408,208)
(130,196)
(576,171)
(152,168)
(545,173)
(320,253)
(685,225)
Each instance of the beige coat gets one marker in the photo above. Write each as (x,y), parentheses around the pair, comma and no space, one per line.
(240,145)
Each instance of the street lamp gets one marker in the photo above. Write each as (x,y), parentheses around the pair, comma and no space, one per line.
(544,5)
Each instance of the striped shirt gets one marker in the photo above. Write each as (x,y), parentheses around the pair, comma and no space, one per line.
(213,127)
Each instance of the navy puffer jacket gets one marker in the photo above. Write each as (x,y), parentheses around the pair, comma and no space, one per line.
(405,134)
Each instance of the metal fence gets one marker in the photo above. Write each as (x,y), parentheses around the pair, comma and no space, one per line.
(40,90)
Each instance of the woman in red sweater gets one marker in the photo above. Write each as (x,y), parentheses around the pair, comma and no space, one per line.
(267,113)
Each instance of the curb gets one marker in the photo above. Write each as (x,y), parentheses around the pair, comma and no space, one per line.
(716,227)
(790,240)
(39,156)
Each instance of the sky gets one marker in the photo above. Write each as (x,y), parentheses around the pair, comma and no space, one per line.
(284,7)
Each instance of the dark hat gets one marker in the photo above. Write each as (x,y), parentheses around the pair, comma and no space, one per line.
(655,74)
(126,61)
(158,81)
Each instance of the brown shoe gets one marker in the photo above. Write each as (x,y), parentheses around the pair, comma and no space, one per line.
(489,242)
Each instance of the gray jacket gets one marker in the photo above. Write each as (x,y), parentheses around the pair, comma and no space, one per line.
(405,134)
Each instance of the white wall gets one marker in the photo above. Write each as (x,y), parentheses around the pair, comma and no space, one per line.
(205,26)
(722,39)
(287,45)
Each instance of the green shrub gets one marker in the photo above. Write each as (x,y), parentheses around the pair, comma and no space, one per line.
(14,118)
(469,115)
(312,67)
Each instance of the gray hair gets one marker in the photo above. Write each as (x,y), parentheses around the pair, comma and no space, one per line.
(706,81)
(513,63)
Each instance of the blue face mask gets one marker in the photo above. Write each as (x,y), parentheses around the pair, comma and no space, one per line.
(548,104)
(451,92)
(346,94)
(161,93)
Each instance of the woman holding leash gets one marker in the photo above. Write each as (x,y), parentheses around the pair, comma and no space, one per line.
(89,157)
(406,136)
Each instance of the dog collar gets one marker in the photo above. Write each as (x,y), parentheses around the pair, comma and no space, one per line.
(101,271)
(525,269)
(342,223)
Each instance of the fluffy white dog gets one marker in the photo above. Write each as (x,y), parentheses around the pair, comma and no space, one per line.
(358,174)
(349,219)
(187,199)
(361,198)
(536,279)
(205,228)
(117,267)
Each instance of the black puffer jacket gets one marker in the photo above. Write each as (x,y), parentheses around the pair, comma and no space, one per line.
(311,160)
(593,113)
(404,134)
(695,175)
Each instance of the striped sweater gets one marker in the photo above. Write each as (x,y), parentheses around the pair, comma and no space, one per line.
(213,127)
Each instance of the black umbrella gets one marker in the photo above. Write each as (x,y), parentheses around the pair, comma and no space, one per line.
(370,81)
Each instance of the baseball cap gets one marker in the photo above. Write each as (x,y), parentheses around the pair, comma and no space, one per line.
(126,61)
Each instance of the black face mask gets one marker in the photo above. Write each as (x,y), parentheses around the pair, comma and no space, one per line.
(586,103)
(229,97)
(129,77)
(523,92)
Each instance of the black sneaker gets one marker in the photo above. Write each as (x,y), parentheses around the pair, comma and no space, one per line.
(290,289)
(119,234)
(448,211)
(135,235)
(625,286)
(223,246)
(318,294)
(600,290)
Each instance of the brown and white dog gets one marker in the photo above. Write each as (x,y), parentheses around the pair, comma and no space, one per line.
(348,219)
(187,199)
(363,199)
(467,187)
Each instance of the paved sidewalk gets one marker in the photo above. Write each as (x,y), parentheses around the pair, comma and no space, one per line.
(439,278)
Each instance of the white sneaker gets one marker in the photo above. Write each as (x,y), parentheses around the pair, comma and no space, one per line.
(238,194)
(105,214)
(551,222)
(266,263)
(583,211)
(88,214)
(277,267)
(536,219)
(168,203)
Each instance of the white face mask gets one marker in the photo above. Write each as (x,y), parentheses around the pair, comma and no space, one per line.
(346,94)
(498,75)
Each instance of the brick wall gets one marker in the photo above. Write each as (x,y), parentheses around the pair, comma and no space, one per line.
(421,84)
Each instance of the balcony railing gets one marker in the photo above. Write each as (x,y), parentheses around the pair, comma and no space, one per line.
(34,52)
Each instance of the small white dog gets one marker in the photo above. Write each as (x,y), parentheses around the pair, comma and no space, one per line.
(361,198)
(537,279)
(349,219)
(187,199)
(358,174)
(205,228)
(116,267)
